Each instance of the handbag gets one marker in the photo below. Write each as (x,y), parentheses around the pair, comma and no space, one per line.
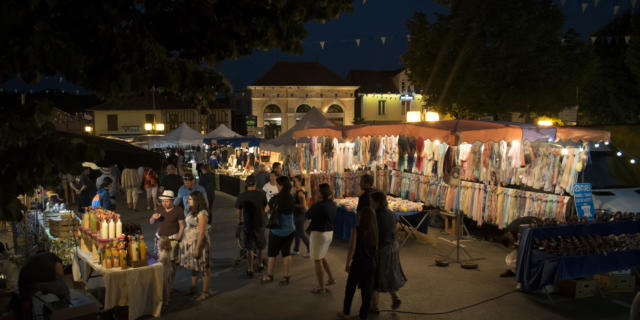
(273,222)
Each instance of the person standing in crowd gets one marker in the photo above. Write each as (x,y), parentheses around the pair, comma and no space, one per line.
(208,181)
(195,249)
(171,226)
(171,181)
(173,158)
(150,179)
(322,214)
(187,188)
(250,209)
(299,214)
(277,168)
(262,176)
(65,182)
(361,262)
(115,174)
(130,182)
(180,158)
(213,161)
(280,237)
(103,196)
(366,184)
(389,275)
(84,189)
(271,188)
(106,172)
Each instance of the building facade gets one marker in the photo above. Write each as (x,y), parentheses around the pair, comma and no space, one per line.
(385,95)
(287,91)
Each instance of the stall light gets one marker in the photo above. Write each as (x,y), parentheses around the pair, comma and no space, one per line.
(606,143)
(632,161)
(550,139)
(159,126)
(597,145)
(432,116)
(565,151)
(437,141)
(515,143)
(413,116)
(619,153)
(148,126)
(545,123)
(201,131)
(88,129)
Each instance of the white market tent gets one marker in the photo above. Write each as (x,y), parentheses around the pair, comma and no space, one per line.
(286,142)
(222,131)
(182,136)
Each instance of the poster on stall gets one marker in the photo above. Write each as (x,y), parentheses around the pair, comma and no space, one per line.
(583,200)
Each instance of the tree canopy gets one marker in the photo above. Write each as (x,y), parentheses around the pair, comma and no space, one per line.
(491,57)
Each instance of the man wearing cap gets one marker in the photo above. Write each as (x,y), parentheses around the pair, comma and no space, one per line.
(262,176)
(250,208)
(170,222)
(186,190)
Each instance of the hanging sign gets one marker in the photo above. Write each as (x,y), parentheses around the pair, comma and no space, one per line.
(583,200)
(252,121)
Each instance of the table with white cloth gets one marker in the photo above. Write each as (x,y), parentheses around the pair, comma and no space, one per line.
(139,288)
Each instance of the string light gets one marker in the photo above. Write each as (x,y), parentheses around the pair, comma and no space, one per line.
(619,153)
(597,145)
(565,151)
(632,161)
(606,143)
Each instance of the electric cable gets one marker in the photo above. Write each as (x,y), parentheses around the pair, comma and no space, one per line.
(456,309)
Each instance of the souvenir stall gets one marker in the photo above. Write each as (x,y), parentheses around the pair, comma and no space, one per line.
(506,170)
(56,229)
(117,252)
(231,178)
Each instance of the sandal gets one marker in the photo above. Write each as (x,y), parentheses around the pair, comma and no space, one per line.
(320,291)
(331,282)
(395,304)
(204,296)
(285,281)
(267,278)
(191,291)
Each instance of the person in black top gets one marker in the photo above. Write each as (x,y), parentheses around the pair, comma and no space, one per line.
(389,275)
(43,271)
(366,184)
(510,239)
(361,262)
(250,208)
(280,237)
(322,214)
(299,214)
(208,181)
(171,181)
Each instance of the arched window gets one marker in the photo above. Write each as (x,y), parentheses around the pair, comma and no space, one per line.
(334,108)
(303,108)
(272,108)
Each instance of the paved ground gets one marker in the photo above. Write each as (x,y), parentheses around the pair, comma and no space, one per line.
(430,289)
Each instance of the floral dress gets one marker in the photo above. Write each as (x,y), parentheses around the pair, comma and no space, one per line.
(189,242)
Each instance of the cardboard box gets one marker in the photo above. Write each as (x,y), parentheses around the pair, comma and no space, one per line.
(577,288)
(616,283)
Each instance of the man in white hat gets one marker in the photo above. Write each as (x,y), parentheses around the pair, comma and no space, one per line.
(170,220)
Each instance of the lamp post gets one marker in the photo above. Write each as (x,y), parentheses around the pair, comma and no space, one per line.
(153,128)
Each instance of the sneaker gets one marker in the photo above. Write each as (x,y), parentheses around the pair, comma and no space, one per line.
(294,253)
(508,274)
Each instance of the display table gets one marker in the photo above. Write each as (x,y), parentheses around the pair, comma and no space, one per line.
(536,269)
(231,184)
(138,288)
(62,247)
(345,220)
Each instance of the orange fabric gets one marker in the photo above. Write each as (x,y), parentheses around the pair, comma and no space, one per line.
(584,134)
(332,132)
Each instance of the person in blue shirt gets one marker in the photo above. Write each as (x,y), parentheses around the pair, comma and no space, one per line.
(213,161)
(183,193)
(103,197)
(281,237)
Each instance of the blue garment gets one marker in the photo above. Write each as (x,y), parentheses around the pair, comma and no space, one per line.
(213,163)
(286,227)
(183,196)
(286,206)
(104,200)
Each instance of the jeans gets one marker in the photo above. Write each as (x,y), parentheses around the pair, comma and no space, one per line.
(363,276)
(299,221)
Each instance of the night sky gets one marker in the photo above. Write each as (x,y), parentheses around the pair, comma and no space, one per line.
(369,22)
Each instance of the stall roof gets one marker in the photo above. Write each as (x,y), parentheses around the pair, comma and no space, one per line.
(584,134)
(221,131)
(239,141)
(286,141)
(182,136)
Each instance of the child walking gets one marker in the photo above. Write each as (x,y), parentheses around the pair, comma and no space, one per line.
(165,256)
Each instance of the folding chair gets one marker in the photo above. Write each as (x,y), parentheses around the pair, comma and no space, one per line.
(406,226)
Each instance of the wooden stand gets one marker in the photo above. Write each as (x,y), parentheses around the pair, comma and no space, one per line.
(450,223)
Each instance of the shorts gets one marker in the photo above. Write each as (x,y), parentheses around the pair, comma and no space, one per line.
(254,240)
(279,244)
(319,243)
(152,192)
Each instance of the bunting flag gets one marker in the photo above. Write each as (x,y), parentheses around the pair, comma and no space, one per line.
(358,42)
(563,2)
(626,39)
(595,3)
(383,39)
(322,44)
(593,39)
(615,9)
(584,6)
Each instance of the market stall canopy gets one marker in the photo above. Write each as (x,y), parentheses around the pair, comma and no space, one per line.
(405,129)
(120,152)
(182,136)
(286,141)
(470,131)
(240,141)
(582,134)
(221,132)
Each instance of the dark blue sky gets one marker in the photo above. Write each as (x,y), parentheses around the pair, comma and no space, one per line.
(369,22)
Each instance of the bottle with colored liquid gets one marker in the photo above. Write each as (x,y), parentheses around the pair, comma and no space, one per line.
(107,257)
(118,226)
(133,253)
(115,253)
(143,251)
(123,256)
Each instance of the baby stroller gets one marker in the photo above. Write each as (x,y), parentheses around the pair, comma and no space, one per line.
(240,241)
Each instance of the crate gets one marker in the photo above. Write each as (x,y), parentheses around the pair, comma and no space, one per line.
(616,283)
(577,289)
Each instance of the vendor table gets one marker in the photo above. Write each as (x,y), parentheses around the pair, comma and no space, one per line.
(535,268)
(231,185)
(410,222)
(62,247)
(139,288)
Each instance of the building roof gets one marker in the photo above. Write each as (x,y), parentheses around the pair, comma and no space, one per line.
(374,81)
(288,73)
(145,102)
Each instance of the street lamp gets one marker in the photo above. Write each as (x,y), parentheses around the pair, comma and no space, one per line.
(159,126)
(432,116)
(413,116)
(88,129)
(148,126)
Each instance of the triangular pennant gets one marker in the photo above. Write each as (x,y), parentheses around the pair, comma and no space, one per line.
(626,39)
(615,9)
(563,2)
(584,6)
(383,39)
(409,37)
(595,3)
(593,39)
(358,42)
(322,44)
